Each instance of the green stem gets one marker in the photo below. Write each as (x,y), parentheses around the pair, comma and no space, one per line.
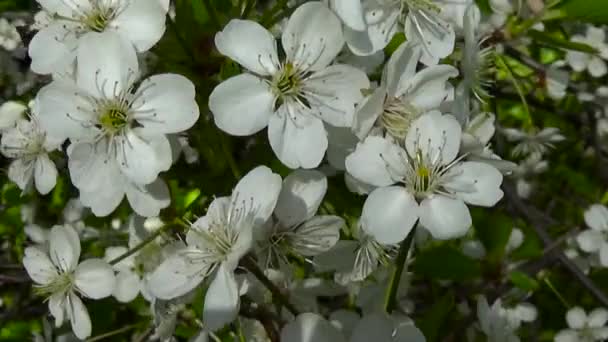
(212,14)
(145,242)
(556,293)
(180,39)
(113,333)
(248,7)
(230,158)
(253,268)
(393,285)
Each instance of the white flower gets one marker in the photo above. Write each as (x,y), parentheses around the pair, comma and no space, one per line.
(533,142)
(501,9)
(477,62)
(27,143)
(139,23)
(434,183)
(297,230)
(557,81)
(10,113)
(584,327)
(496,323)
(9,37)
(216,242)
(595,240)
(350,12)
(403,95)
(581,61)
(62,279)
(427,22)
(293,97)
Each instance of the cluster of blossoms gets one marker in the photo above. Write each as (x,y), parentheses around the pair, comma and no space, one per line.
(412,134)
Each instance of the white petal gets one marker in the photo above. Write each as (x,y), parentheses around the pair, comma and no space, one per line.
(106,64)
(368,112)
(52,48)
(10,113)
(138,158)
(351,13)
(310,327)
(79,317)
(94,278)
(106,197)
(597,318)
(38,265)
(382,24)
(577,60)
(576,318)
(475,183)
(300,144)
(258,190)
(249,44)
(437,40)
(604,253)
(57,308)
(337,88)
(596,217)
(436,136)
(242,105)
(429,88)
(389,214)
(167,104)
(142,22)
(597,67)
(313,36)
(64,247)
(21,172)
(377,161)
(590,240)
(127,286)
(59,7)
(148,200)
(374,327)
(316,235)
(177,275)
(342,142)
(567,336)
(45,174)
(401,67)
(445,218)
(300,197)
(221,300)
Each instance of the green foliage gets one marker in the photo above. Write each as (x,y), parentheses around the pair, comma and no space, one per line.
(445,262)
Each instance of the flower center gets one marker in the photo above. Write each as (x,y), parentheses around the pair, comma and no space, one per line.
(114,118)
(61,284)
(100,15)
(287,83)
(398,117)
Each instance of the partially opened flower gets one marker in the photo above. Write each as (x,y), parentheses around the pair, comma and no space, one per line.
(297,230)
(216,243)
(425,182)
(294,96)
(500,324)
(403,95)
(595,240)
(584,327)
(28,144)
(594,64)
(477,62)
(140,23)
(62,280)
(534,141)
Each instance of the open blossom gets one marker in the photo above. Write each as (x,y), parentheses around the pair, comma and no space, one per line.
(425,182)
(403,95)
(594,64)
(584,327)
(533,142)
(140,23)
(477,62)
(118,132)
(431,23)
(500,324)
(60,278)
(9,37)
(595,239)
(294,96)
(296,228)
(216,243)
(27,143)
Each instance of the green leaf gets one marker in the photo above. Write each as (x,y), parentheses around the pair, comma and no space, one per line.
(493,231)
(523,281)
(446,262)
(590,11)
(557,41)
(432,321)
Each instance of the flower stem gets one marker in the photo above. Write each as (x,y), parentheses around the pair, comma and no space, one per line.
(212,14)
(145,242)
(114,332)
(253,268)
(400,261)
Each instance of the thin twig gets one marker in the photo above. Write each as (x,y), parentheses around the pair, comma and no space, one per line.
(400,262)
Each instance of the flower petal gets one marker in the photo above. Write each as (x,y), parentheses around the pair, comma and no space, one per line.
(445,218)
(38,266)
(45,174)
(373,327)
(52,48)
(79,317)
(377,161)
(597,318)
(258,190)
(166,104)
(429,88)
(242,105)
(177,275)
(590,240)
(139,157)
(401,67)
(475,183)
(576,318)
(21,172)
(437,39)
(299,141)
(596,217)
(127,286)
(316,235)
(389,214)
(597,67)
(57,308)
(64,247)
(312,37)
(436,136)
(221,300)
(382,24)
(301,194)
(368,112)
(351,13)
(249,44)
(148,200)
(94,278)
(310,327)
(142,22)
